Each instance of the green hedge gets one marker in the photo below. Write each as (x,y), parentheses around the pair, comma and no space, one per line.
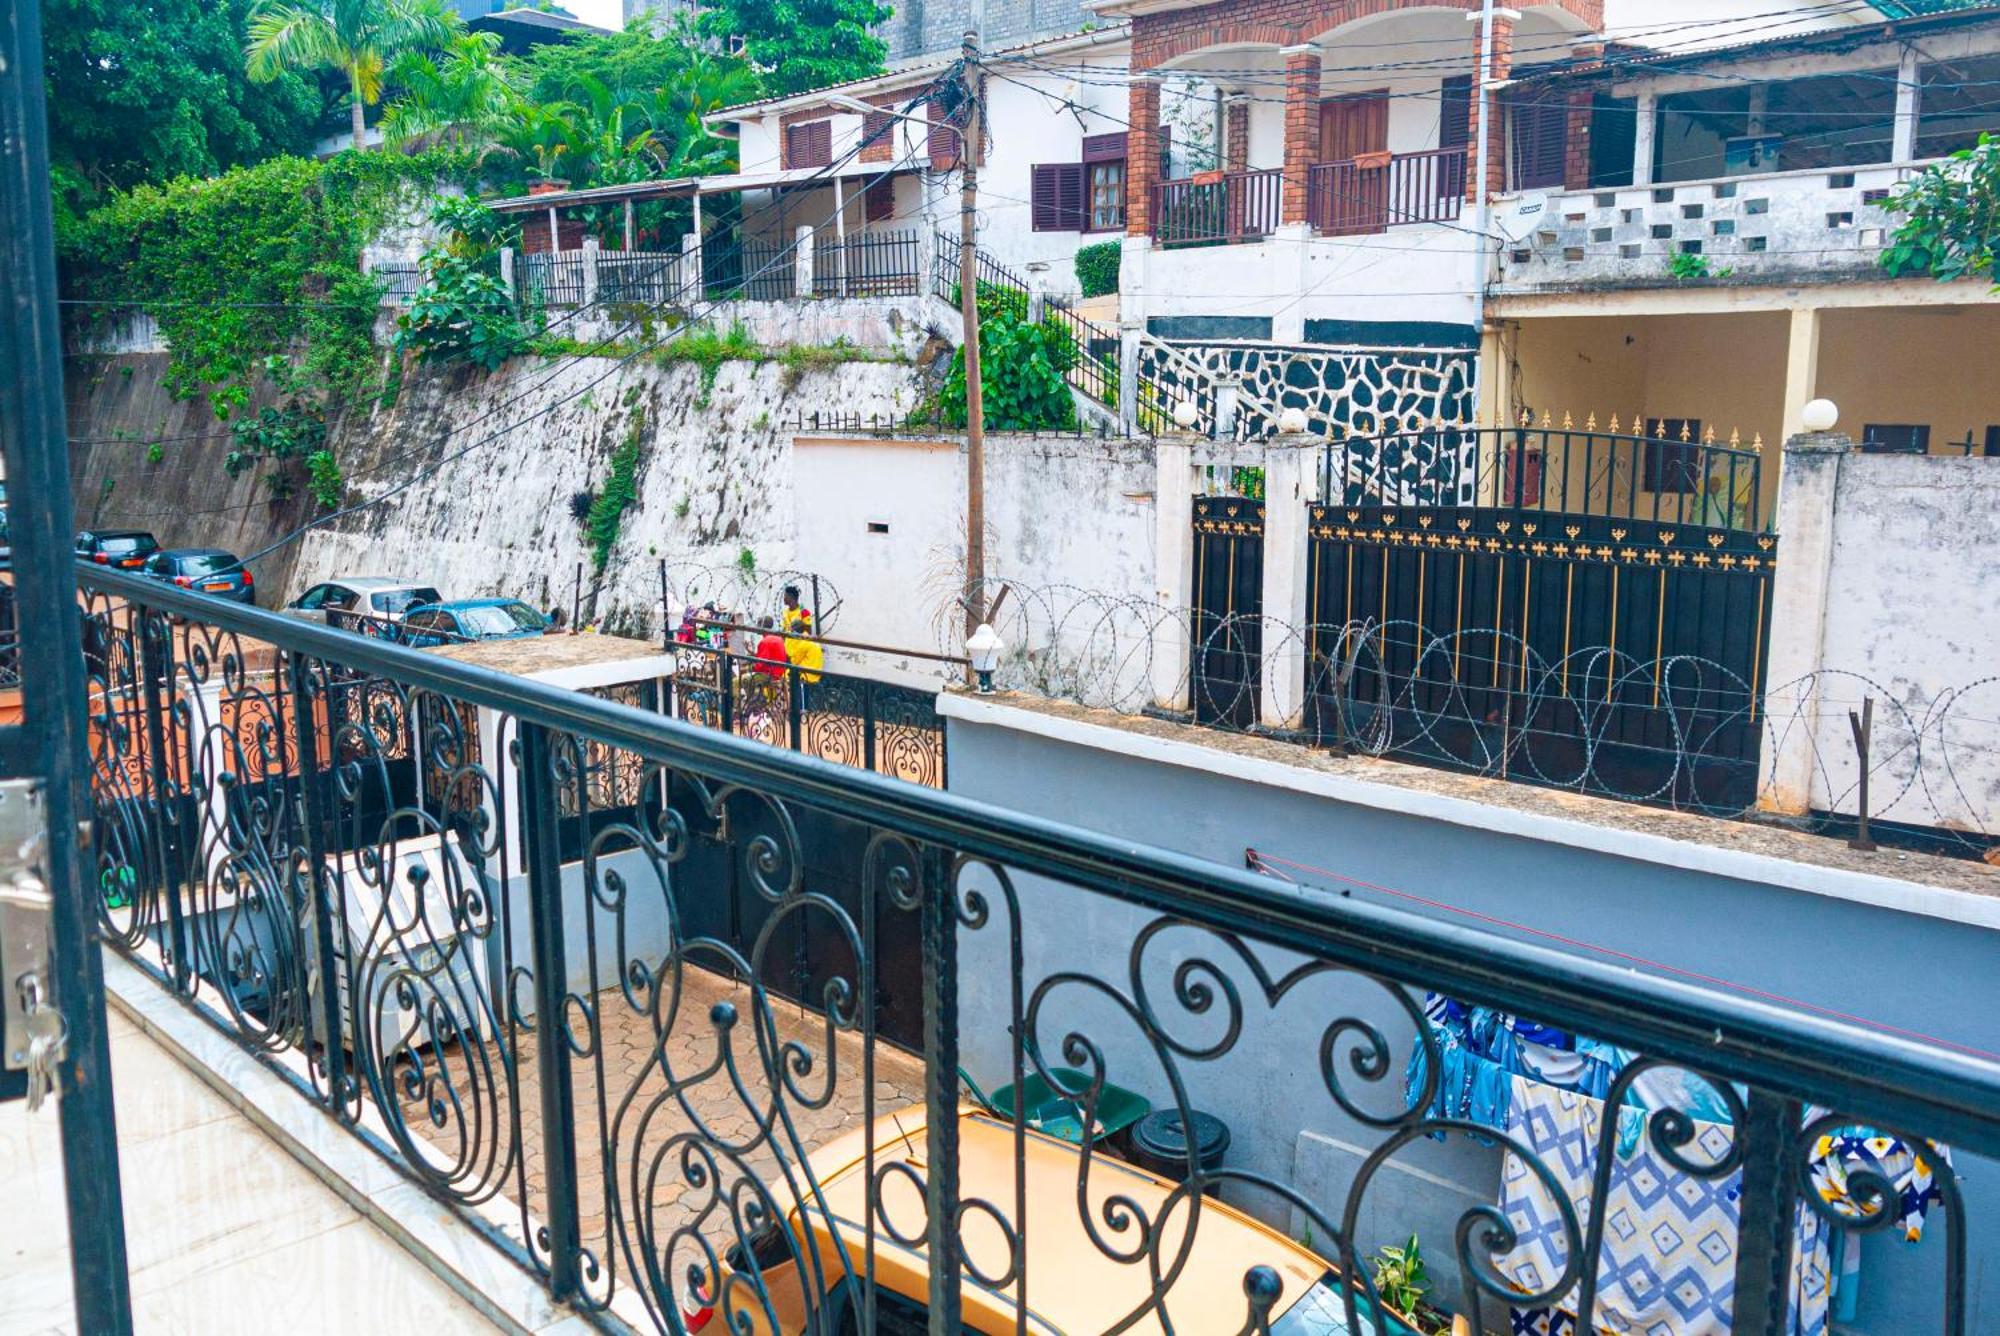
(1097,268)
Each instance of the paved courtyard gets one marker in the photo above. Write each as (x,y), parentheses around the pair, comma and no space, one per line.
(626,1114)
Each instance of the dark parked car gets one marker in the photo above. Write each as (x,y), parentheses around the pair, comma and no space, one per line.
(471,619)
(209,570)
(124,549)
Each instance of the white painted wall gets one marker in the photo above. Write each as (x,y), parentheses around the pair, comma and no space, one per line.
(1417,272)
(1912,617)
(1074,512)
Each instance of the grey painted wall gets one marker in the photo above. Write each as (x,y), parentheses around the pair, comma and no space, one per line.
(1924,973)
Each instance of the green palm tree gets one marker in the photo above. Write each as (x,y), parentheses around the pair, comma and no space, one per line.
(460,94)
(357,37)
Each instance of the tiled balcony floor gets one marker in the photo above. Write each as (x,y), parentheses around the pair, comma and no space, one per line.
(226,1232)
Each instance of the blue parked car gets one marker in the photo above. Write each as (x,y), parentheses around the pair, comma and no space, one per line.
(471,619)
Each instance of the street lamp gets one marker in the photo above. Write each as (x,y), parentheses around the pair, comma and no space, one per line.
(1819,415)
(984,647)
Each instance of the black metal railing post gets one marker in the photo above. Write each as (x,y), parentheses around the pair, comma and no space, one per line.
(542,861)
(868,726)
(725,678)
(795,700)
(156,664)
(312,801)
(939,929)
(1769,1215)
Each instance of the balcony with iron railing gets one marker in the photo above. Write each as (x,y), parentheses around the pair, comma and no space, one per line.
(696,1027)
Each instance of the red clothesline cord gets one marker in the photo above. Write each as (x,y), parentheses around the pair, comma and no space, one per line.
(1269,864)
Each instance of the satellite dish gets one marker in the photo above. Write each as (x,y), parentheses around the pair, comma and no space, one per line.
(1525,216)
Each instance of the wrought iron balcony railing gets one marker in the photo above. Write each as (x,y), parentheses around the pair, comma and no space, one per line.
(687,1013)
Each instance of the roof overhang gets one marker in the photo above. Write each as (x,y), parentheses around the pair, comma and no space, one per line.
(687,186)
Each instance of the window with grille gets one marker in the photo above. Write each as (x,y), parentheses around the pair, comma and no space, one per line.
(809,144)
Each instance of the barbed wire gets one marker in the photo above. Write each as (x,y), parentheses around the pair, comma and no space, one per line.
(1679,731)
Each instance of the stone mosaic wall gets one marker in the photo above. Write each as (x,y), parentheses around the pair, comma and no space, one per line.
(1344,391)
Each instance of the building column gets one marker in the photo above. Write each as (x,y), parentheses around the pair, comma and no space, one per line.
(1289,476)
(1173,560)
(1236,132)
(1808,485)
(1142,153)
(1486,104)
(1801,369)
(1301,127)
(1645,119)
(1909,87)
(1496,379)
(802,273)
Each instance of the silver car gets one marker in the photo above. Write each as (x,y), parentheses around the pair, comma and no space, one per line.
(370,604)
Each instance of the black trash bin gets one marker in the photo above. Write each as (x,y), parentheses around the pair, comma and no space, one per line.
(1161,1141)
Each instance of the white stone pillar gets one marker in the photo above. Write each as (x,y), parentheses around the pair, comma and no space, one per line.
(840,228)
(1291,248)
(699,278)
(1909,86)
(1645,120)
(1173,562)
(1801,369)
(1495,405)
(507,269)
(803,251)
(1288,485)
(1808,487)
(590,249)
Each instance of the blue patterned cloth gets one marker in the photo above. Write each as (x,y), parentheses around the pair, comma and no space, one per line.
(1668,1265)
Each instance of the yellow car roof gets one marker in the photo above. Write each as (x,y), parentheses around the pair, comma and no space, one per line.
(1073,1285)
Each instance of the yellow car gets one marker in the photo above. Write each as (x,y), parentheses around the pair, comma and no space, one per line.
(1072,1285)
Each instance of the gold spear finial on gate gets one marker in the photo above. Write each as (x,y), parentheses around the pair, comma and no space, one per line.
(1686,435)
(1527,417)
(1590,423)
(1757,441)
(1708,435)
(1568,423)
(1614,424)
(1735,439)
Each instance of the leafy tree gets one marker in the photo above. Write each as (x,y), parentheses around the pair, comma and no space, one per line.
(801,44)
(460,94)
(1024,367)
(144,92)
(1951,217)
(630,64)
(359,38)
(461,312)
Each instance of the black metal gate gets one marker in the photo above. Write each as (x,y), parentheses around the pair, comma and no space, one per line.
(1226,656)
(51,969)
(1569,608)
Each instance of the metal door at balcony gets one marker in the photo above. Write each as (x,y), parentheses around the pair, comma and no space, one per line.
(53,1041)
(1226,662)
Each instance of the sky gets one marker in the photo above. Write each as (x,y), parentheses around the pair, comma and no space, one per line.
(603,13)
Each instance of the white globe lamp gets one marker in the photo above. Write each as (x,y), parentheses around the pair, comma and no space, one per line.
(1819,415)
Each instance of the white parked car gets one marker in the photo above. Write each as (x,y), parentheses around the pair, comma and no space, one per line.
(370,604)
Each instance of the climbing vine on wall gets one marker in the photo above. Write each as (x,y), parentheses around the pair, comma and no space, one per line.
(258,261)
(620,490)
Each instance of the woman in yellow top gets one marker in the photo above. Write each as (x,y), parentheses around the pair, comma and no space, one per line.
(805,653)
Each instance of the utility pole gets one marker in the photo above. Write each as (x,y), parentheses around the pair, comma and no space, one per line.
(968,298)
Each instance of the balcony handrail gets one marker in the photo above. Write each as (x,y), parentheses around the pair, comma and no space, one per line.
(1878,1076)
(1401,179)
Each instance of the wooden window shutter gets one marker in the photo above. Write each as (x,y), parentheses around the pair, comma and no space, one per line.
(875,127)
(1056,197)
(1455,112)
(1540,125)
(809,144)
(880,200)
(1104,148)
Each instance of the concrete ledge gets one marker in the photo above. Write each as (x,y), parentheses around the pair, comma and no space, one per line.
(442,1240)
(1042,719)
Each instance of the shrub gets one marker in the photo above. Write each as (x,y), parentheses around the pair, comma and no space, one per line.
(462,311)
(324,478)
(1022,367)
(1097,268)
